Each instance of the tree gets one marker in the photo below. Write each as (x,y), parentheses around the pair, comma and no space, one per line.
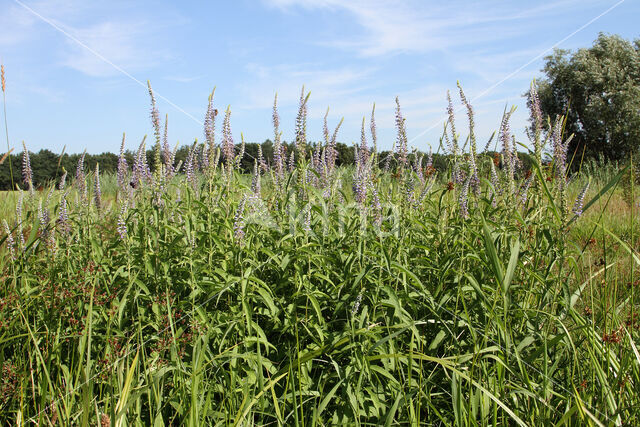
(598,89)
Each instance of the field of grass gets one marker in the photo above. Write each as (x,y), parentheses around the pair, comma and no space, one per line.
(309,294)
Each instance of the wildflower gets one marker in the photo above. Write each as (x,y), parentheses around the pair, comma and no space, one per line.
(168,156)
(425,190)
(255,183)
(204,155)
(261,162)
(155,121)
(80,178)
(417,166)
(228,150)
(486,147)
(240,156)
(458,175)
(190,165)
(301,125)
(63,215)
(139,173)
(97,192)
(453,143)
(43,212)
(27,173)
(277,147)
(356,304)
(292,161)
(155,116)
(11,244)
(325,128)
(359,184)
(495,183)
(43,216)
(409,192)
(560,159)
(307,220)
(122,223)
(210,124)
(464,199)
(278,160)
(374,134)
(122,168)
(377,208)
(536,119)
(401,139)
(238,223)
(364,149)
(524,190)
(475,181)
(559,150)
(332,152)
(578,205)
(216,157)
(508,150)
(19,219)
(63,180)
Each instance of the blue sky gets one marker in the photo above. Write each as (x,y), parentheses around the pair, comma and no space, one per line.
(349,54)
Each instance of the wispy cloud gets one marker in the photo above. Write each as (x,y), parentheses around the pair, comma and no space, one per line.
(18,25)
(124,43)
(412,26)
(131,42)
(325,83)
(14,26)
(182,79)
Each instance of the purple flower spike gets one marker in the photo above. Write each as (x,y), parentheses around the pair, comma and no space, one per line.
(122,169)
(579,203)
(63,215)
(80,178)
(464,199)
(155,115)
(97,191)
(401,139)
(453,142)
(27,173)
(277,147)
(374,133)
(301,125)
(11,244)
(228,149)
(238,223)
(122,222)
(63,180)
(190,167)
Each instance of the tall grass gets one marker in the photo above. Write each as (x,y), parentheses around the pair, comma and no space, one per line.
(315,295)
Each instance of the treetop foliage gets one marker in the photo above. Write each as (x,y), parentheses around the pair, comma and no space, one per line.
(598,89)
